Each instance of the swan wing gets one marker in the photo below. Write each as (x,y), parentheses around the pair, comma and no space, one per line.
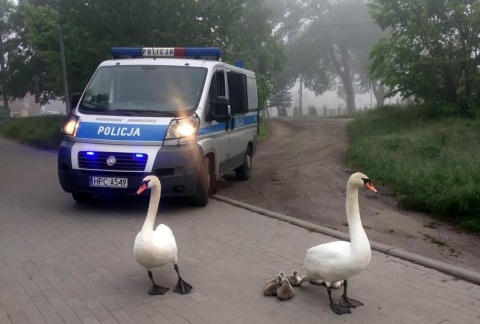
(329,252)
(165,240)
(328,261)
(335,261)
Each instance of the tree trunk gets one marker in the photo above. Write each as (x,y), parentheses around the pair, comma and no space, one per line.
(343,71)
(379,93)
(3,74)
(347,81)
(300,95)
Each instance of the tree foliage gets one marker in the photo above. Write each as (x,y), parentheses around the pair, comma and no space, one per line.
(329,41)
(281,99)
(7,44)
(242,28)
(431,52)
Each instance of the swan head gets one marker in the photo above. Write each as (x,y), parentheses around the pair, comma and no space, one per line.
(285,282)
(278,279)
(361,180)
(147,183)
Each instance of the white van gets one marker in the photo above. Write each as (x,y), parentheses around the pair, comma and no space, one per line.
(178,113)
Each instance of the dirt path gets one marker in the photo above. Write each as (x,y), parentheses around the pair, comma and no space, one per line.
(300,171)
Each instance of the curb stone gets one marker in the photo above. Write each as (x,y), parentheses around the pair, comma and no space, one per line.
(452,270)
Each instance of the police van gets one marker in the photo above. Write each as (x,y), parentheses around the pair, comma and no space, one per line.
(178,113)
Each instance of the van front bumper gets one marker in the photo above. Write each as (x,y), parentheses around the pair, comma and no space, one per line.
(176,167)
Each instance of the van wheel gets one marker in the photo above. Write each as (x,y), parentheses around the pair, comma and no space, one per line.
(200,198)
(243,171)
(82,197)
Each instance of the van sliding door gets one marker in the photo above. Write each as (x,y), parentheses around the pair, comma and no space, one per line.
(241,130)
(219,132)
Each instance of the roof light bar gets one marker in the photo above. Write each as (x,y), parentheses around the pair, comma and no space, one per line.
(196,52)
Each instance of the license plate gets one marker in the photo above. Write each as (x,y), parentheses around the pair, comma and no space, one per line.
(108,182)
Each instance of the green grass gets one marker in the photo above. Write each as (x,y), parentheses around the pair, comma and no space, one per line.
(432,164)
(263,132)
(43,132)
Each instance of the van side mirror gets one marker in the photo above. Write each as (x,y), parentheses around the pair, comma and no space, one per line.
(75,99)
(221,109)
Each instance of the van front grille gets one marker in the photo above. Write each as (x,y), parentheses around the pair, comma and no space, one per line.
(112,161)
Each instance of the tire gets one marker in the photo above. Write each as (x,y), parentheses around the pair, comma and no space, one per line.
(243,172)
(202,192)
(81,197)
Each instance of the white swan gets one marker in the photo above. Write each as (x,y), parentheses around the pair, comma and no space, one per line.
(156,248)
(336,261)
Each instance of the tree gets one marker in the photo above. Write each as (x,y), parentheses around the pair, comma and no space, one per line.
(281,99)
(431,52)
(6,44)
(91,27)
(329,40)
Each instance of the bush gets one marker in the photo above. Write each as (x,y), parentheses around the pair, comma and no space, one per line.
(312,111)
(43,132)
(4,114)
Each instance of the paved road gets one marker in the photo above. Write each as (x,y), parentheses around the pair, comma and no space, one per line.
(66,263)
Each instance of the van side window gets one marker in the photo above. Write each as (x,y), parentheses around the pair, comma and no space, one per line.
(217,88)
(252,94)
(237,92)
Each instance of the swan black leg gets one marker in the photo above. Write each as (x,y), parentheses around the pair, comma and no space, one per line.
(156,289)
(182,287)
(348,301)
(337,309)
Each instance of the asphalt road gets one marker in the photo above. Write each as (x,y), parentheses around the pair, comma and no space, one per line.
(61,262)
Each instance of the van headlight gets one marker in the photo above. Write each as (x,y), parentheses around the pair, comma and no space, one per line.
(71,126)
(182,128)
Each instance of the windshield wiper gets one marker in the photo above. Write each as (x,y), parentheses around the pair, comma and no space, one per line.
(95,106)
(132,112)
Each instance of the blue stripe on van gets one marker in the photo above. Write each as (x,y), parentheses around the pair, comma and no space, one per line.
(212,129)
(123,132)
(245,120)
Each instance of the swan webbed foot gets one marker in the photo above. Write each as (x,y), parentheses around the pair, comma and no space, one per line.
(157,290)
(340,309)
(182,287)
(348,302)
(337,309)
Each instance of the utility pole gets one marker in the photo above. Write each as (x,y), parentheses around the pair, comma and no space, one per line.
(3,74)
(300,92)
(62,56)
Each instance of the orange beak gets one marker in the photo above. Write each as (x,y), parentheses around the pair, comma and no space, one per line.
(142,188)
(369,186)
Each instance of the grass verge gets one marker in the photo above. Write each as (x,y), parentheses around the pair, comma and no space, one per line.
(42,132)
(432,164)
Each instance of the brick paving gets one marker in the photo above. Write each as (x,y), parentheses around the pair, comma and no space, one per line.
(61,262)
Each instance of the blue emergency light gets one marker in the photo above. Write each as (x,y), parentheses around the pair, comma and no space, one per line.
(195,52)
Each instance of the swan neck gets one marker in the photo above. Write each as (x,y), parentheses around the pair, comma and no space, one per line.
(353,215)
(353,210)
(152,209)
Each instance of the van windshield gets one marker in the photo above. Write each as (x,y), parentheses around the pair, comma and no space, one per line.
(152,90)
